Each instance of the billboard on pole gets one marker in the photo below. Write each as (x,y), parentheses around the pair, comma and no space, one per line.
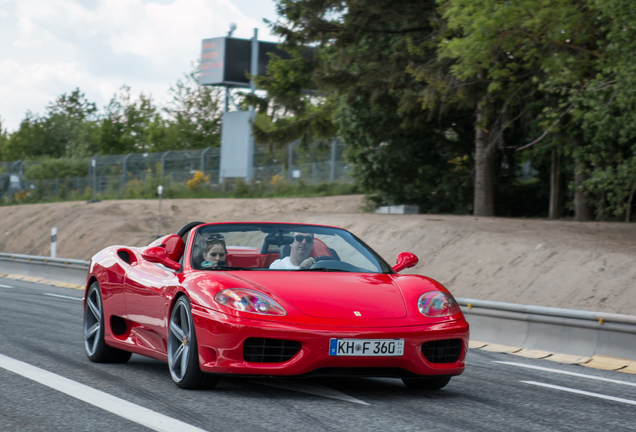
(225,61)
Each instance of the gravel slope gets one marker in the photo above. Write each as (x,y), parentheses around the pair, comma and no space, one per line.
(589,266)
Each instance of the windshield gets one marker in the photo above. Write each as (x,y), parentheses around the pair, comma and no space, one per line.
(282,247)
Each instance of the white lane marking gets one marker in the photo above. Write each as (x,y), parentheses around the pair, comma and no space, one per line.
(581,392)
(63,296)
(313,389)
(5,286)
(128,410)
(580,375)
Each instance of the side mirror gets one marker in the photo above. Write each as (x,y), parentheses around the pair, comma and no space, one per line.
(159,255)
(405,260)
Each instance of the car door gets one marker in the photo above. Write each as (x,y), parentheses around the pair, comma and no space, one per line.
(112,275)
(145,293)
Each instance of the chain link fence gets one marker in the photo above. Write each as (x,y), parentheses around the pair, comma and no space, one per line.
(125,176)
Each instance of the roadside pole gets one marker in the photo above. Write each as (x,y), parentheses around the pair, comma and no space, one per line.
(93,175)
(160,192)
(94,165)
(53,242)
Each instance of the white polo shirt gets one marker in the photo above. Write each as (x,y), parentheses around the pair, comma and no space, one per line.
(283,264)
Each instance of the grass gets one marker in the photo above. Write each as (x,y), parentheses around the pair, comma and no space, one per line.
(232,189)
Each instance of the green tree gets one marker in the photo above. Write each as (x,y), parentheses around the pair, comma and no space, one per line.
(511,49)
(607,109)
(357,82)
(126,124)
(427,164)
(294,107)
(72,122)
(67,130)
(4,141)
(32,139)
(194,116)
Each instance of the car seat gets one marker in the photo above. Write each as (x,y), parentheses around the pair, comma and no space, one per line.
(197,254)
(285,251)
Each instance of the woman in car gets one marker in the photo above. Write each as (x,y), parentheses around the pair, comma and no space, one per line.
(215,252)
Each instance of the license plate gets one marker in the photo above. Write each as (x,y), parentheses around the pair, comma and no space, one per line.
(366,347)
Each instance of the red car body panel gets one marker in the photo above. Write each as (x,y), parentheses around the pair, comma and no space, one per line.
(138,298)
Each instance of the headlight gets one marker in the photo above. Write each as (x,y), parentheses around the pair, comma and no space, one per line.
(246,300)
(437,304)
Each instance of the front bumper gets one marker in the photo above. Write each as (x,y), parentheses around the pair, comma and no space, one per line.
(221,337)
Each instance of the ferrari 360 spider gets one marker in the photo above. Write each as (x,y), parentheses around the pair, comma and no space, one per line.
(271,299)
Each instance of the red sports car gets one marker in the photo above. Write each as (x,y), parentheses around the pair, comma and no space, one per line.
(271,299)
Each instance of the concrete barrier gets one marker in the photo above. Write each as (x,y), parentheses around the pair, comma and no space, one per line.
(564,331)
(58,269)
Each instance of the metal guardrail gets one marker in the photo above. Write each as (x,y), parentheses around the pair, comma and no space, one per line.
(556,330)
(599,317)
(44,259)
(65,270)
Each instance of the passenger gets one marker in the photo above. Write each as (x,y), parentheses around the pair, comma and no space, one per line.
(215,252)
(299,258)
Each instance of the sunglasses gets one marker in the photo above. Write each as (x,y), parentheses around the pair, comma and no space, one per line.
(219,254)
(308,239)
(214,237)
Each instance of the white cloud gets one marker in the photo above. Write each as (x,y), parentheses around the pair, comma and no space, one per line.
(50,47)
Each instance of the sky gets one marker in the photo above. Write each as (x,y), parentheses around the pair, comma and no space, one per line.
(51,47)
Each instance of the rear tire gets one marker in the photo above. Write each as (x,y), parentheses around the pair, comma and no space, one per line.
(430,383)
(94,344)
(183,352)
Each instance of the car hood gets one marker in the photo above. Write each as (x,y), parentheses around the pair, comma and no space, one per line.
(333,295)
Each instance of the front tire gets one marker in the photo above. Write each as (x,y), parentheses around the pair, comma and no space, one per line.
(430,383)
(183,353)
(94,344)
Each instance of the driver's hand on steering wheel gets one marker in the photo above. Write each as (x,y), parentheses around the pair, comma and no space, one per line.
(307,263)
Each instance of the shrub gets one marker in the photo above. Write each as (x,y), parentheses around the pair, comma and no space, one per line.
(198,181)
(277,179)
(241,189)
(49,168)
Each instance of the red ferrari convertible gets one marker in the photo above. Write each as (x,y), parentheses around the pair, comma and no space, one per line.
(271,299)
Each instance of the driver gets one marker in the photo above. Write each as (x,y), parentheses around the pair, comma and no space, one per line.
(299,258)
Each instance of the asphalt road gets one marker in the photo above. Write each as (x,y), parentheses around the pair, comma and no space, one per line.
(41,349)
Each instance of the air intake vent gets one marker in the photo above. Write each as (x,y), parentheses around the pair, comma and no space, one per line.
(442,351)
(125,256)
(261,350)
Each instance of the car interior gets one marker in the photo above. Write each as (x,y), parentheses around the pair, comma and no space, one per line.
(258,248)
(274,246)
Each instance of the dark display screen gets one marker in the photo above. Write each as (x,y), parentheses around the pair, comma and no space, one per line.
(226,60)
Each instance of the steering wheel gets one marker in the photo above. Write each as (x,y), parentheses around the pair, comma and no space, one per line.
(324,258)
(330,262)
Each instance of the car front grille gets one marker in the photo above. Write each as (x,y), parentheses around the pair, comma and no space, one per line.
(261,350)
(361,372)
(442,351)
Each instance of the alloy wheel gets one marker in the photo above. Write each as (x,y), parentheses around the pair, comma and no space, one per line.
(92,321)
(179,341)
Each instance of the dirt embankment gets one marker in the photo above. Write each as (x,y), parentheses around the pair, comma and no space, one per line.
(589,266)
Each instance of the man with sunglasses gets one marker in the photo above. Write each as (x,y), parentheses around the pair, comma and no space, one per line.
(299,258)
